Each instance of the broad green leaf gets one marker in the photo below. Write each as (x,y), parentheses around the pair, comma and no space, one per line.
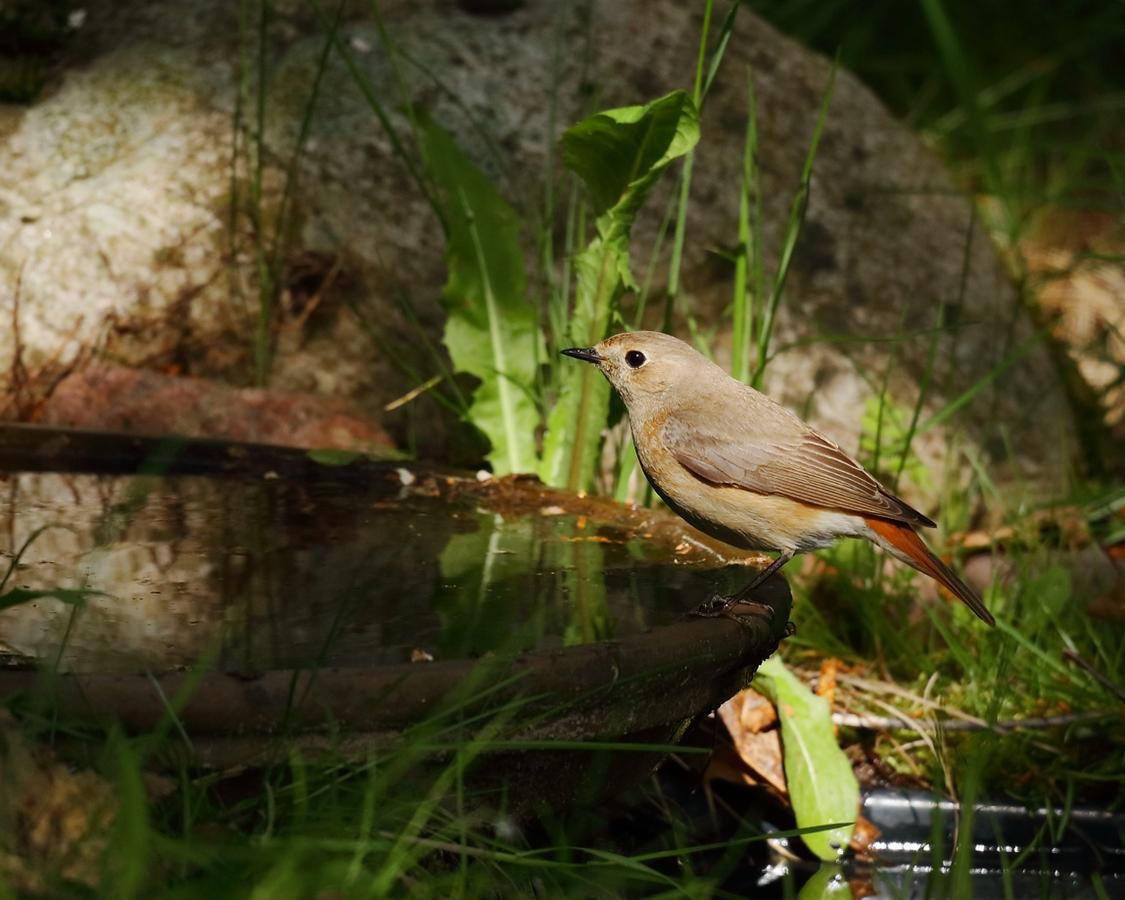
(570,448)
(826,883)
(492,331)
(822,786)
(619,154)
(331,456)
(73,596)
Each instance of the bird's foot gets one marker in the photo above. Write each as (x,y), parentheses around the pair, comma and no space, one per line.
(719,605)
(714,607)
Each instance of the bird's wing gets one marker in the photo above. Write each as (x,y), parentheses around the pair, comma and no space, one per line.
(788,458)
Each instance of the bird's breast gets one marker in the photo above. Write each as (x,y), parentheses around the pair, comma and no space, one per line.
(739,517)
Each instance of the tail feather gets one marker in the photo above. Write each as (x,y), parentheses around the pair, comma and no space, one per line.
(904,543)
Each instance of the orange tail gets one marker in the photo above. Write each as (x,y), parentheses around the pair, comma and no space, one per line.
(904,542)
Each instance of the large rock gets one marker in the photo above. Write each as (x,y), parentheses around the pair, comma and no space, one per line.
(115,190)
(139,401)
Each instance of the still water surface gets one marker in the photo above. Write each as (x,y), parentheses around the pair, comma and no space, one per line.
(261,572)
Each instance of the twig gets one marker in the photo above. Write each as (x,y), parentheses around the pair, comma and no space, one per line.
(313,302)
(17,379)
(413,393)
(905,723)
(871,686)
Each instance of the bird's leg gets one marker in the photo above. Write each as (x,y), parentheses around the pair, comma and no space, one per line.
(720,605)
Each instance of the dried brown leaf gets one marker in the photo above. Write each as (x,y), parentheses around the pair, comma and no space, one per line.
(759,750)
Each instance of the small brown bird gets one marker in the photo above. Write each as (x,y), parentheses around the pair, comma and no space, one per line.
(747,471)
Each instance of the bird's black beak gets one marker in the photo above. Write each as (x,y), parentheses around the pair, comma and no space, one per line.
(586,354)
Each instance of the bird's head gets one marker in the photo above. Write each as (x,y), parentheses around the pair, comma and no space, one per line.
(645,366)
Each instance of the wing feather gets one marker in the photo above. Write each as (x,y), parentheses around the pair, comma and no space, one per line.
(800,464)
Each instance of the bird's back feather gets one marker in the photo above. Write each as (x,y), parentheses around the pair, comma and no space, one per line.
(769,450)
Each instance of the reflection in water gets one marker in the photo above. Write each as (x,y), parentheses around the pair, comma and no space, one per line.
(266,573)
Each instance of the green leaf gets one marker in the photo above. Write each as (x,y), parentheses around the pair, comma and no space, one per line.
(822,786)
(333,456)
(492,331)
(73,596)
(580,582)
(826,883)
(128,863)
(329,456)
(619,154)
(570,448)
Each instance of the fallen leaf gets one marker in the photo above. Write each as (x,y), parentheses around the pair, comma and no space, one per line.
(746,716)
(1110,605)
(724,764)
(826,682)
(58,821)
(755,713)
(864,835)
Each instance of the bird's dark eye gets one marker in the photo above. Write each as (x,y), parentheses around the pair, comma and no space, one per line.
(635,359)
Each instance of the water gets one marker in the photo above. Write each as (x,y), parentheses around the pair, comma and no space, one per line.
(262,572)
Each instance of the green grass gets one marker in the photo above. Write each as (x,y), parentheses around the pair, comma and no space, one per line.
(1016,99)
(939,664)
(406,818)
(257,226)
(1014,94)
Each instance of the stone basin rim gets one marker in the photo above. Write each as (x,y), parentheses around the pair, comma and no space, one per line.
(612,688)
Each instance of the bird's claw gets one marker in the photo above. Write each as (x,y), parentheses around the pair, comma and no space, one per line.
(718,605)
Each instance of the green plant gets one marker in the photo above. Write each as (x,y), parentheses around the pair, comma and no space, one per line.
(822,786)
(492,330)
(1018,97)
(753,311)
(16,596)
(619,154)
(411,814)
(268,226)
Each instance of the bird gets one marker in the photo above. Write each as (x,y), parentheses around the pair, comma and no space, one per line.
(747,471)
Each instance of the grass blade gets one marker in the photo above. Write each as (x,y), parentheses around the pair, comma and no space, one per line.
(792,233)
